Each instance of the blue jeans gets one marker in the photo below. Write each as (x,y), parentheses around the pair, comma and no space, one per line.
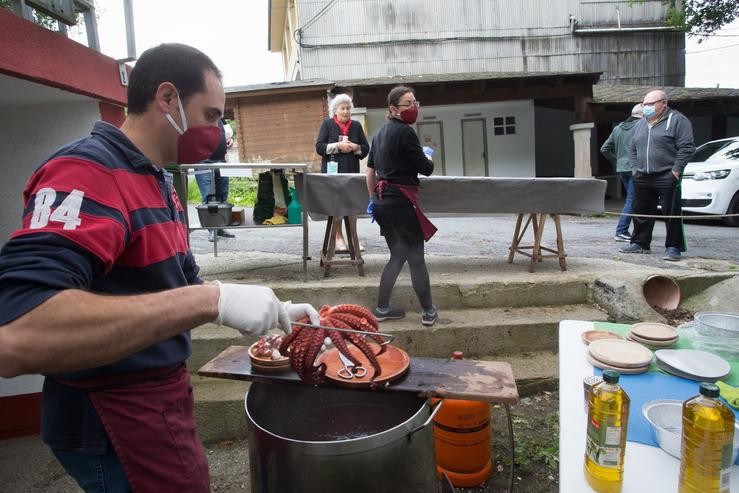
(623,221)
(221,188)
(95,473)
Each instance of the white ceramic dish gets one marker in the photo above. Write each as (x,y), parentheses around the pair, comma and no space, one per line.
(665,417)
(693,364)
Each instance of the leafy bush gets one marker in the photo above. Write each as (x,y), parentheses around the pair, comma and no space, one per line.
(241,191)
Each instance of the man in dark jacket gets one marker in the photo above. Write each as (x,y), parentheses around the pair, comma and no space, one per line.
(661,146)
(616,150)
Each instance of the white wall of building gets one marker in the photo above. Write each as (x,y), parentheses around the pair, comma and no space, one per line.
(28,134)
(508,155)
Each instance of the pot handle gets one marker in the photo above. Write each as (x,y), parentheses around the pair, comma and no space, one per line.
(431,417)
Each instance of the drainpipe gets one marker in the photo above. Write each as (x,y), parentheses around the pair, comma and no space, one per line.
(599,30)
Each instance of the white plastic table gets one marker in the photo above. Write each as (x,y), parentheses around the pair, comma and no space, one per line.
(647,468)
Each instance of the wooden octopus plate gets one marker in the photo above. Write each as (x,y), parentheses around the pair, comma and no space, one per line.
(394,363)
(268,364)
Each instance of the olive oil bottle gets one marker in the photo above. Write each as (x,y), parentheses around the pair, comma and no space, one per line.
(608,416)
(708,436)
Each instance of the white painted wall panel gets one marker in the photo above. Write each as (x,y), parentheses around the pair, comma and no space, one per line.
(30,134)
(508,155)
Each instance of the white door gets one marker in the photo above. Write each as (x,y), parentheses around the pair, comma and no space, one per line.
(432,134)
(474,147)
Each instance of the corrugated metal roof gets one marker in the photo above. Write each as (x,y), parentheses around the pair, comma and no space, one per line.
(464,77)
(617,93)
(290,84)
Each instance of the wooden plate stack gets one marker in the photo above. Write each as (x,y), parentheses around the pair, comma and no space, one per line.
(595,335)
(653,334)
(623,356)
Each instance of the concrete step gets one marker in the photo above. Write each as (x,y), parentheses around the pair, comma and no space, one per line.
(447,294)
(476,332)
(219,403)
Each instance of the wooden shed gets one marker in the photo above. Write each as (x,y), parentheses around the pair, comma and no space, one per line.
(278,122)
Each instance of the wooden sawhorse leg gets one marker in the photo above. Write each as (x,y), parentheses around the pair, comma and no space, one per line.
(329,245)
(537,226)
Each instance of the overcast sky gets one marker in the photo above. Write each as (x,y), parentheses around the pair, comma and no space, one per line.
(222,28)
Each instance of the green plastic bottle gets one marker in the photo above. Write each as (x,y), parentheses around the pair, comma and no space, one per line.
(294,210)
(608,417)
(708,437)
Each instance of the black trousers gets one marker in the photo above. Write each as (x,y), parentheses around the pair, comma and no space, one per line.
(399,224)
(650,190)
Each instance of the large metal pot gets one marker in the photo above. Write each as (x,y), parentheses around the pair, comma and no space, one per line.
(323,440)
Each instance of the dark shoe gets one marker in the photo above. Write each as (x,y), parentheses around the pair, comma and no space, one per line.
(211,235)
(390,313)
(225,234)
(672,254)
(429,317)
(634,248)
(622,237)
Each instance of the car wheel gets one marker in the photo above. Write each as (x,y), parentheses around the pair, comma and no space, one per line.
(733,209)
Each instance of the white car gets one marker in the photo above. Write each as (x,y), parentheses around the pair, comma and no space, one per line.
(711,180)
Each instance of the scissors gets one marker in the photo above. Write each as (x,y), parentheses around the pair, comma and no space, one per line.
(350,370)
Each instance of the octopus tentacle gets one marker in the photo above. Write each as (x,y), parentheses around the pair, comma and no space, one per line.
(303,346)
(314,346)
(361,324)
(288,339)
(357,310)
(366,349)
(361,344)
(338,340)
(368,324)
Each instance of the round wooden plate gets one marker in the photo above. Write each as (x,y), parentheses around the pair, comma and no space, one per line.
(625,371)
(654,330)
(620,353)
(268,364)
(394,363)
(595,335)
(651,342)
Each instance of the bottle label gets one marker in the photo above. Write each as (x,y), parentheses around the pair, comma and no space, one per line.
(332,167)
(603,444)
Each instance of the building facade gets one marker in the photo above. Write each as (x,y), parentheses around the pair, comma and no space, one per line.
(628,42)
(474,61)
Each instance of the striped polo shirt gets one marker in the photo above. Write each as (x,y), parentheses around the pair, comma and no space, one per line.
(98,216)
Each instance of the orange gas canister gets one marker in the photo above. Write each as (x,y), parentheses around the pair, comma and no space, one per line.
(462,433)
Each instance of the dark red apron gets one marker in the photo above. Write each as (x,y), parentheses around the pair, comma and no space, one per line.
(151,425)
(411,193)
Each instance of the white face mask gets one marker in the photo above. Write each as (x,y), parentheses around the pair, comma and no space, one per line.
(182,116)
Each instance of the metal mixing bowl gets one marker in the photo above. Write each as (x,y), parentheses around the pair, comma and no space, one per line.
(666,419)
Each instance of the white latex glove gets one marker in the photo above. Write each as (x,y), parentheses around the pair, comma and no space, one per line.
(293,312)
(250,309)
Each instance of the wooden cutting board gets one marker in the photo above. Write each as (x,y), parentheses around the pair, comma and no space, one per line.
(486,381)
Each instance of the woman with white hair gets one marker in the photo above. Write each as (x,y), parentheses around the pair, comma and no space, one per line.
(341,143)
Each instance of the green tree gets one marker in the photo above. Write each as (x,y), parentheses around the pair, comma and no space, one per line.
(700,17)
(38,17)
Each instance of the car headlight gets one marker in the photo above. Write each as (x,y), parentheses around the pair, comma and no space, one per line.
(711,175)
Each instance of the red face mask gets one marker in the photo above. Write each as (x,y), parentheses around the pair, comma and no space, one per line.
(409,115)
(195,144)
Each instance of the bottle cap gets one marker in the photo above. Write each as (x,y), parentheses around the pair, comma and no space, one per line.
(610,376)
(709,389)
(457,355)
